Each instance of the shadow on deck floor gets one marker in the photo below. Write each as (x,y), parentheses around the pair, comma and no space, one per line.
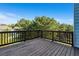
(38,47)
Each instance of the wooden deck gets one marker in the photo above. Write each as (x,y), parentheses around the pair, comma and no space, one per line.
(38,47)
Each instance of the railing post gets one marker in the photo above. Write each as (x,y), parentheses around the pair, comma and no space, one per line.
(1,38)
(29,34)
(38,33)
(24,35)
(52,36)
(41,33)
(59,35)
(72,40)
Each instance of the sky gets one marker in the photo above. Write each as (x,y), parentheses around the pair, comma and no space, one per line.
(10,12)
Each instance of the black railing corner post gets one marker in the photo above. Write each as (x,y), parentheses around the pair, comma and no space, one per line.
(52,36)
(41,33)
(38,33)
(59,35)
(72,40)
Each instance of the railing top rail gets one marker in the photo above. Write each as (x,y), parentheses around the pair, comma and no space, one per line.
(34,30)
(17,31)
(57,31)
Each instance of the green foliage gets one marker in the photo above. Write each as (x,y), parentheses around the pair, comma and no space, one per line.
(65,27)
(23,24)
(69,28)
(62,27)
(42,23)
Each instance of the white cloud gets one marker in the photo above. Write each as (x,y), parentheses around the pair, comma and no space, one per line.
(2,16)
(8,18)
(10,15)
(66,21)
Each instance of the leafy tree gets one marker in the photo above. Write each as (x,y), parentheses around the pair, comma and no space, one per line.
(23,23)
(62,27)
(65,27)
(69,28)
(44,23)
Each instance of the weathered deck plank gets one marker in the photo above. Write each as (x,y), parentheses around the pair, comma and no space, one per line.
(68,51)
(50,49)
(54,53)
(64,51)
(72,52)
(60,51)
(38,47)
(76,51)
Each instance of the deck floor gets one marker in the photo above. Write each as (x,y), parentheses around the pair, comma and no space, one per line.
(39,47)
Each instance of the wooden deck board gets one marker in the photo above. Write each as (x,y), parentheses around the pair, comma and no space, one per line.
(39,47)
(53,50)
(64,51)
(58,49)
(72,52)
(50,49)
(68,51)
(76,51)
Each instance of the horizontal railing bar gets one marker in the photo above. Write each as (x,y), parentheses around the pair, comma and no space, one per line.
(16,31)
(34,30)
(56,31)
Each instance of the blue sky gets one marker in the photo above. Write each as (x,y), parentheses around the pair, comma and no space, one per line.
(10,13)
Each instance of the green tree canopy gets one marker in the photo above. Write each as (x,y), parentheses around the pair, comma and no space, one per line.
(42,23)
(23,23)
(65,27)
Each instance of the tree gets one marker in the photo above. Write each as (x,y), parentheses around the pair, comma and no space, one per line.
(65,27)
(23,24)
(44,23)
(62,27)
(69,28)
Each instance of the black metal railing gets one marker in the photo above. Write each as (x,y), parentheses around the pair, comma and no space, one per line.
(8,37)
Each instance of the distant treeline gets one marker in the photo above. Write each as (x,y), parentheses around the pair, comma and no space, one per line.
(41,23)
